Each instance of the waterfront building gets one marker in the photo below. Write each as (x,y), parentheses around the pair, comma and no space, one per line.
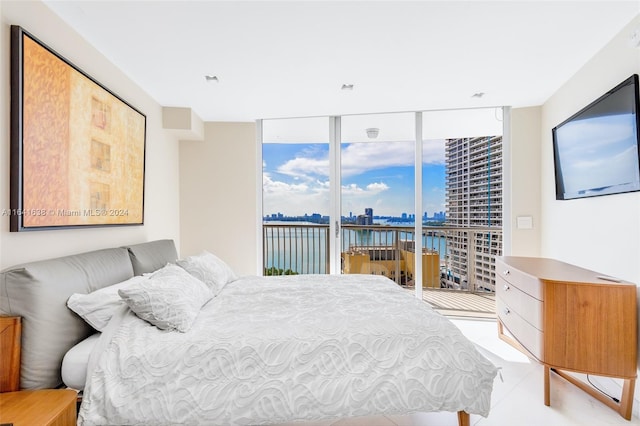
(474,199)
(366,218)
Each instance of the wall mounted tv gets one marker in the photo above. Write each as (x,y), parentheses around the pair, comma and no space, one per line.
(596,150)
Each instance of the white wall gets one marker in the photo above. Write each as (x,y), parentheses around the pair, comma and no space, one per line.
(218,195)
(161,219)
(601,233)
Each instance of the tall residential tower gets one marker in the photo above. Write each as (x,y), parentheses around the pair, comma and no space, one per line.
(474,200)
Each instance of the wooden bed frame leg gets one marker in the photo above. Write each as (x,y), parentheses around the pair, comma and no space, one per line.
(463,419)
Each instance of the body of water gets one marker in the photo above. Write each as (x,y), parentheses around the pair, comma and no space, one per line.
(305,249)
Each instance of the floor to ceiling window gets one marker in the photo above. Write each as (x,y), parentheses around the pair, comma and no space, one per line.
(295,195)
(349,195)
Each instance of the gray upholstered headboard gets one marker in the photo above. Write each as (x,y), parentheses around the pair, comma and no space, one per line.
(151,256)
(38,292)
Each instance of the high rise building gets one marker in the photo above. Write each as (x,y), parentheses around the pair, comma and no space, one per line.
(369,212)
(366,218)
(474,200)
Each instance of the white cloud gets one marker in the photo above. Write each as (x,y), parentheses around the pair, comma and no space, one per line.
(377,187)
(361,157)
(294,199)
(371,189)
(352,189)
(271,186)
(309,197)
(433,151)
(321,187)
(305,167)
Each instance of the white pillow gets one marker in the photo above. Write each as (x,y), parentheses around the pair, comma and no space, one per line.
(97,308)
(209,269)
(169,299)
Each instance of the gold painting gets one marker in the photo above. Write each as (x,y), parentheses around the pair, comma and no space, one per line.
(80,147)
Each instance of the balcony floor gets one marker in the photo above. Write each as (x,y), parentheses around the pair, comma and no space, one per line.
(459,303)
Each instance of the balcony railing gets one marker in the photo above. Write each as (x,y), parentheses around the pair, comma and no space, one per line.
(295,249)
(452,257)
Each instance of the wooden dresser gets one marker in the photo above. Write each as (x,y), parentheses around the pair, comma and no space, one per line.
(570,320)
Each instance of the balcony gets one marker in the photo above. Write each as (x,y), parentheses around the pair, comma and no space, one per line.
(458,269)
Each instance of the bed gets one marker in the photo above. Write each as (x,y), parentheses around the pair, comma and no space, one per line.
(237,351)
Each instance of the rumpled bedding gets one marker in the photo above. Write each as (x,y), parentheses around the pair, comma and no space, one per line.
(279,349)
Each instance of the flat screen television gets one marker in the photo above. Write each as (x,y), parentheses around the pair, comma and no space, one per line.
(596,150)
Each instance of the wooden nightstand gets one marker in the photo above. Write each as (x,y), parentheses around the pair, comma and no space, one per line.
(10,334)
(46,407)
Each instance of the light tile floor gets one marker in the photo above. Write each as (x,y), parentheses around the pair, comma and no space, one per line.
(517,399)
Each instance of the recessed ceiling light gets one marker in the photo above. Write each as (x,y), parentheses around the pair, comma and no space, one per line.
(477,95)
(211,78)
(347,87)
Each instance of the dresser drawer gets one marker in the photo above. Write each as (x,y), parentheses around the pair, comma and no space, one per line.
(528,336)
(512,274)
(520,302)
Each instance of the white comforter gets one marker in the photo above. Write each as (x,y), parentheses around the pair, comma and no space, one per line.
(277,349)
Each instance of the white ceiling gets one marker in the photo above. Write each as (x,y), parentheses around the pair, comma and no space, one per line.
(290,59)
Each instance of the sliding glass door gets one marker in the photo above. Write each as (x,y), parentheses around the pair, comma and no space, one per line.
(462,198)
(377,192)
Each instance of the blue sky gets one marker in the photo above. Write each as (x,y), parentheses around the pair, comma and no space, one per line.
(378,175)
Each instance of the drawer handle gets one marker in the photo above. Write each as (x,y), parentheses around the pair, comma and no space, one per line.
(506,272)
(506,287)
(507,311)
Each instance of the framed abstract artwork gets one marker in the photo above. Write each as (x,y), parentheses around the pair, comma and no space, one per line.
(77,149)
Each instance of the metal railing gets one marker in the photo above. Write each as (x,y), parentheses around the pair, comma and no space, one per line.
(295,249)
(452,257)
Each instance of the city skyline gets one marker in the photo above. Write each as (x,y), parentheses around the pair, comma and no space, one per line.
(352,215)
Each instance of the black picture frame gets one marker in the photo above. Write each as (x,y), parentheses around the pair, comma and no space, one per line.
(77,149)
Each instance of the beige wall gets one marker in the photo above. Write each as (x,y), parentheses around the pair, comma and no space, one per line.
(524,176)
(161,219)
(218,195)
(601,233)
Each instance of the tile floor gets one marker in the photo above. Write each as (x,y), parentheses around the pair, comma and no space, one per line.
(517,399)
